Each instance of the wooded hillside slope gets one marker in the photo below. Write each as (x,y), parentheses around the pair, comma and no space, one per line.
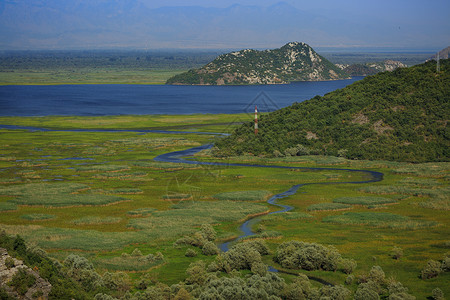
(398,116)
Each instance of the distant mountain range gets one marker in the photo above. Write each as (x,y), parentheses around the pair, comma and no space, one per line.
(292,62)
(105,24)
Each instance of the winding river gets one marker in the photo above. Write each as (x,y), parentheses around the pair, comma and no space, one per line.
(179,157)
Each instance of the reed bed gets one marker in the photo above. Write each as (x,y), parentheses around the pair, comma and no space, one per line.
(251,195)
(56,195)
(328,206)
(378,219)
(364,200)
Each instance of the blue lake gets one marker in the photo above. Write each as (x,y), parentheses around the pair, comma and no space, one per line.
(98,100)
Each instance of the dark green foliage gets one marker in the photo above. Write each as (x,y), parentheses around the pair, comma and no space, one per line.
(255,287)
(5,296)
(292,62)
(190,253)
(9,262)
(398,116)
(22,281)
(438,294)
(63,287)
(307,256)
(242,256)
(431,270)
(209,248)
(396,253)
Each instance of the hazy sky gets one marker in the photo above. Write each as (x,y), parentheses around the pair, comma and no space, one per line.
(153,24)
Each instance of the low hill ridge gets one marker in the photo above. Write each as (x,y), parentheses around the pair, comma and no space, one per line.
(293,62)
(398,116)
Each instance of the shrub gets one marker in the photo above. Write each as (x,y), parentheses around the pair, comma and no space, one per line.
(438,294)
(366,294)
(396,253)
(9,262)
(208,232)
(136,252)
(307,256)
(190,253)
(347,265)
(242,256)
(349,279)
(431,270)
(209,248)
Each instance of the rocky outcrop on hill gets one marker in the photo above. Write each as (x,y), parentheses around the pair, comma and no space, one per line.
(10,271)
(371,68)
(292,62)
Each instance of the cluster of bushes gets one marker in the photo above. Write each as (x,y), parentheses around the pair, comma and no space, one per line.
(242,256)
(375,285)
(433,267)
(204,239)
(311,256)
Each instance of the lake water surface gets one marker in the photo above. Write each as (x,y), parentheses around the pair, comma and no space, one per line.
(98,100)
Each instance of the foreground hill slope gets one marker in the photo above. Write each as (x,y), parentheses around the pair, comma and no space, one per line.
(399,116)
(292,62)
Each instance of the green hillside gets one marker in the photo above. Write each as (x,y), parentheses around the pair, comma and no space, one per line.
(292,62)
(400,116)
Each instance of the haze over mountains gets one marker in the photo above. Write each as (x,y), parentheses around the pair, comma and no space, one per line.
(78,24)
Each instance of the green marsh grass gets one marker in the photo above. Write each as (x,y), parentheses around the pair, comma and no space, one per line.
(328,206)
(7,206)
(364,200)
(37,217)
(250,195)
(144,211)
(56,195)
(378,219)
(93,220)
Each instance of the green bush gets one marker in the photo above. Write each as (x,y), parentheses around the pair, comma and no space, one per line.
(307,256)
(209,248)
(22,281)
(190,253)
(9,262)
(431,270)
(438,294)
(396,253)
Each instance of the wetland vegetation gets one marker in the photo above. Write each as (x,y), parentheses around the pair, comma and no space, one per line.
(101,197)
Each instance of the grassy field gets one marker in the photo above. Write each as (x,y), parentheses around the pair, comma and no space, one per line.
(86,76)
(100,195)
